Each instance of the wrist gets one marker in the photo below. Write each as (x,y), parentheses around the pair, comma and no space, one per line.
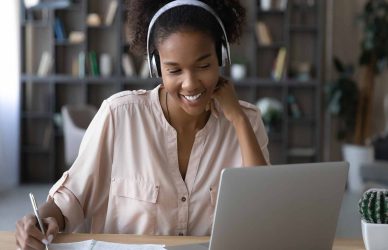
(238,118)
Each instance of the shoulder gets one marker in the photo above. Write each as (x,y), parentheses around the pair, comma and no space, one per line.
(128,98)
(250,109)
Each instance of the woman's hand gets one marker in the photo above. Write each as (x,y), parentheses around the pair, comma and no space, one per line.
(227,98)
(250,148)
(28,235)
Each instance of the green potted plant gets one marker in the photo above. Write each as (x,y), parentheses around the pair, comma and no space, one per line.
(373,208)
(373,59)
(342,102)
(271,112)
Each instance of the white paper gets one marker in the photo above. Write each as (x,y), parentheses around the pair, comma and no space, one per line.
(73,245)
(102,245)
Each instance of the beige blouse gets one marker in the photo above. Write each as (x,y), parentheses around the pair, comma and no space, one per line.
(126,177)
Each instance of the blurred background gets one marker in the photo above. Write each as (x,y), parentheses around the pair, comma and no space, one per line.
(315,68)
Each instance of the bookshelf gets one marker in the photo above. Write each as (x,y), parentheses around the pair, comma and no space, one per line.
(298,28)
(42,96)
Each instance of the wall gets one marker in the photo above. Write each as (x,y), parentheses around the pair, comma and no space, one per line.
(343,40)
(9,95)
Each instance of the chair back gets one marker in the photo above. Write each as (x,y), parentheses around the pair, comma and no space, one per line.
(76,118)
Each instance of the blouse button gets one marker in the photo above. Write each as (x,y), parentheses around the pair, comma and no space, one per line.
(183,199)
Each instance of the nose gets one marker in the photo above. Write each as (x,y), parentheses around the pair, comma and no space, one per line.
(190,82)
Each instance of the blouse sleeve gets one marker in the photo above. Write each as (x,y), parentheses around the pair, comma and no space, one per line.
(261,135)
(83,189)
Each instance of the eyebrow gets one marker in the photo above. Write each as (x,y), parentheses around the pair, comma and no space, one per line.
(198,60)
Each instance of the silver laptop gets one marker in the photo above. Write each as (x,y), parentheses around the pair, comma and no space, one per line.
(293,206)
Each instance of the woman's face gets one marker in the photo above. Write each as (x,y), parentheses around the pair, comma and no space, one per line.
(189,67)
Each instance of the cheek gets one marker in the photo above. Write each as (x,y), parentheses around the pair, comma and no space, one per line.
(170,84)
(211,79)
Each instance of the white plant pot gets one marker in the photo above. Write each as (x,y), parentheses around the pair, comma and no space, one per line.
(356,155)
(375,235)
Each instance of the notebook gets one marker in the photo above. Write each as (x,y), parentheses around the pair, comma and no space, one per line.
(102,245)
(292,206)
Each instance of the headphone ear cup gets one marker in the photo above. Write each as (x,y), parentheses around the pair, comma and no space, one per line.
(224,56)
(155,66)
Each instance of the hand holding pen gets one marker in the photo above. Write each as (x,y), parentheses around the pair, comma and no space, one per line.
(35,232)
(36,212)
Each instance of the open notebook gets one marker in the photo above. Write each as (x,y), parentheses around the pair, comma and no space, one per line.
(102,245)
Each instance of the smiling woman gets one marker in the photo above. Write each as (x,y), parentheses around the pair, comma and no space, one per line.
(150,161)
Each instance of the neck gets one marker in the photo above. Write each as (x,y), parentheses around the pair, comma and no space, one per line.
(178,118)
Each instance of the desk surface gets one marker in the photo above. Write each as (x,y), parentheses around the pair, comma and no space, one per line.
(7,240)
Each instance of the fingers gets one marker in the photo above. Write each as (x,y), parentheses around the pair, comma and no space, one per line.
(221,82)
(27,235)
(52,228)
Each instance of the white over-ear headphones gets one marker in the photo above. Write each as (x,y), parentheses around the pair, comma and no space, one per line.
(153,59)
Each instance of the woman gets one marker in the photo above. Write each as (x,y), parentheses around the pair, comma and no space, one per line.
(150,161)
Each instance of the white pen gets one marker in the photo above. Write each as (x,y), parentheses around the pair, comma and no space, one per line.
(36,212)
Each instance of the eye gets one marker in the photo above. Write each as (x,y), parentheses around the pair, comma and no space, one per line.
(204,66)
(173,71)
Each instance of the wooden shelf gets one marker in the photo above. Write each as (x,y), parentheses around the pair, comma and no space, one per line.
(303,28)
(301,152)
(67,43)
(271,12)
(100,27)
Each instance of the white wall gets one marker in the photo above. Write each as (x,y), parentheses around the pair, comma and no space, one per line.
(9,94)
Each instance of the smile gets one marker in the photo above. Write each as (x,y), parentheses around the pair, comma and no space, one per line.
(192,98)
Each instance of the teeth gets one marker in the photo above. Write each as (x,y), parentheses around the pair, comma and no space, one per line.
(192,97)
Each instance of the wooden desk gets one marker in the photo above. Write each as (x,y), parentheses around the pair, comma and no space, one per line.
(7,240)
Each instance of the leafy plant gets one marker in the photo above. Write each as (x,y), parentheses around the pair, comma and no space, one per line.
(373,58)
(373,206)
(272,111)
(343,99)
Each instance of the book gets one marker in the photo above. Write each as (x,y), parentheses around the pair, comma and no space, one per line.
(262,33)
(94,71)
(74,66)
(45,64)
(81,64)
(111,12)
(103,245)
(128,65)
(59,30)
(279,64)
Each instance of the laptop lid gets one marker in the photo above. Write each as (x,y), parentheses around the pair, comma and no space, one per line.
(292,206)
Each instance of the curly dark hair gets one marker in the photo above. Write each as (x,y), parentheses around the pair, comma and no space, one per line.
(140,13)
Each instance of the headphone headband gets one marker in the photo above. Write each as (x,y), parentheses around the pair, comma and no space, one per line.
(177,3)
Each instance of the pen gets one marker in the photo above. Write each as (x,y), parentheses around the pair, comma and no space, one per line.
(36,212)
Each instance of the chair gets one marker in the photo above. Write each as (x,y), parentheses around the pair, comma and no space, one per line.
(76,119)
